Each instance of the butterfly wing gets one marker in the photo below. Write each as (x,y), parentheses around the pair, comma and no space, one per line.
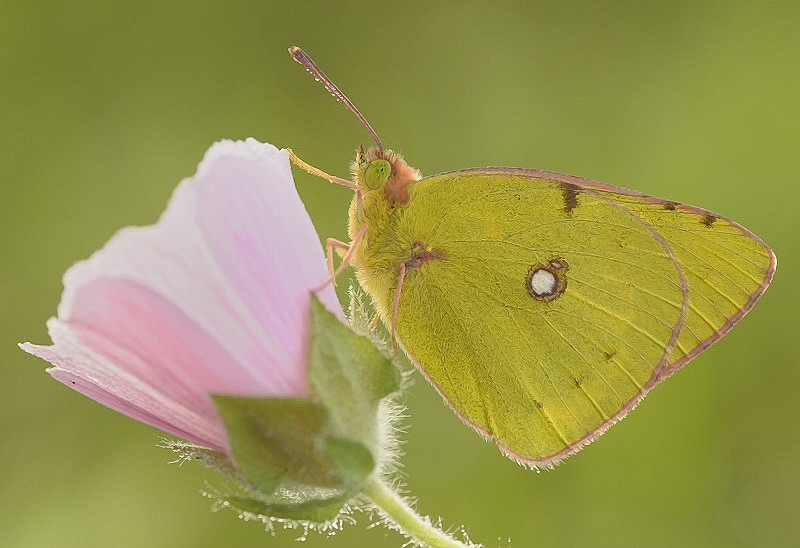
(547,305)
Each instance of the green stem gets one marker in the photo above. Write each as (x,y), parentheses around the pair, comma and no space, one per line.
(414,526)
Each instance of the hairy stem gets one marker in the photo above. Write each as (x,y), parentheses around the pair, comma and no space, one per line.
(407,521)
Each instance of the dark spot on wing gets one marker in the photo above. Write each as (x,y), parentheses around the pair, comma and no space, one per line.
(707,220)
(420,254)
(570,192)
(609,355)
(578,382)
(670,206)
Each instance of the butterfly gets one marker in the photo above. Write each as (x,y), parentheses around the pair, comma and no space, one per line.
(541,306)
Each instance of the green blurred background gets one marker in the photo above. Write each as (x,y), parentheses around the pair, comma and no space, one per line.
(107,105)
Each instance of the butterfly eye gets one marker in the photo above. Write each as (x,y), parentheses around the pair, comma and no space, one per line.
(377,172)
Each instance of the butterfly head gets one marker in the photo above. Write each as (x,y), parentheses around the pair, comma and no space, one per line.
(385,171)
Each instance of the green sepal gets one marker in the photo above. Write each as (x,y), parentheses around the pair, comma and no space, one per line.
(323,448)
(277,439)
(316,510)
(349,375)
(352,459)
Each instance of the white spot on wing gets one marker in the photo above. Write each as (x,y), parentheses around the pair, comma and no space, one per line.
(543,282)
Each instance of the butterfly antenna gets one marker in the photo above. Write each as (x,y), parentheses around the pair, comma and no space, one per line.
(302,57)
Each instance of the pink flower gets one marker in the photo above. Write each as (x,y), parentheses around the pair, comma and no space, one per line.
(214,298)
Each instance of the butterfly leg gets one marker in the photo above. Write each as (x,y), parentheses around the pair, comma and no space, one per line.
(330,244)
(350,249)
(319,173)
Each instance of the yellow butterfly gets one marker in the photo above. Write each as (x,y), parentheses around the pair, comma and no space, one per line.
(542,306)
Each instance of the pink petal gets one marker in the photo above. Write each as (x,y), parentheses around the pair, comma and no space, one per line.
(93,374)
(214,298)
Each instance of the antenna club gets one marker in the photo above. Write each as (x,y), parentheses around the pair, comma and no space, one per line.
(300,56)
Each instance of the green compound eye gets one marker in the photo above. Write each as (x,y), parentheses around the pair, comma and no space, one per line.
(377,172)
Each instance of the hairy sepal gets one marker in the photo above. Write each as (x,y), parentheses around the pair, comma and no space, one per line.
(322,448)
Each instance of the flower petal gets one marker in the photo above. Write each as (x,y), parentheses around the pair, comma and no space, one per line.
(215,297)
(90,372)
